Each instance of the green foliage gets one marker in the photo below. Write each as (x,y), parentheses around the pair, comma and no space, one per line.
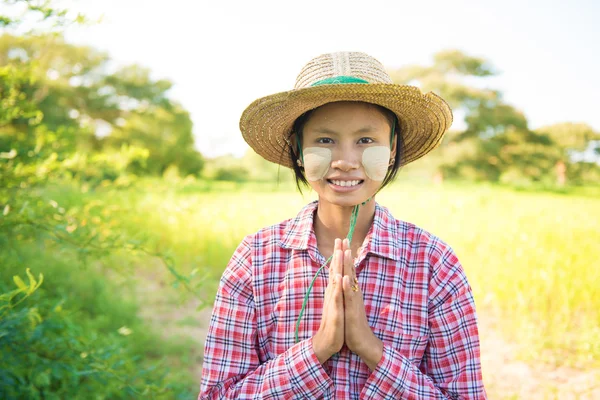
(16,82)
(36,13)
(447,77)
(250,167)
(497,144)
(76,329)
(235,174)
(74,339)
(63,94)
(572,141)
(78,335)
(571,136)
(455,61)
(582,173)
(11,299)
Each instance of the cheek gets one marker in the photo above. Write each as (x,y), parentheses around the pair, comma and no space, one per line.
(375,161)
(316,163)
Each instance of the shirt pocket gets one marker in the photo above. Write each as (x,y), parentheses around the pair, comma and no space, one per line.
(410,345)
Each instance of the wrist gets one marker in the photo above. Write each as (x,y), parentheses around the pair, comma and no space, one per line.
(322,353)
(371,352)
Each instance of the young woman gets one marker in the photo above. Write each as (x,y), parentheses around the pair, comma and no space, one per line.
(343,301)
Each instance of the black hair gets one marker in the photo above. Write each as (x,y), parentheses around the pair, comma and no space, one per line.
(296,145)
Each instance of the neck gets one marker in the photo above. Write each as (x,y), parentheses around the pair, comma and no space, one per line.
(333,222)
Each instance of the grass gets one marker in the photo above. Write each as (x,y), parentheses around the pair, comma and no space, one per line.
(530,256)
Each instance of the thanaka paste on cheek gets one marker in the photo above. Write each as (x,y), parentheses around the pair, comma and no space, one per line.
(318,159)
(375,161)
(316,163)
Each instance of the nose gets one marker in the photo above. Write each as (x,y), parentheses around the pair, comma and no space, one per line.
(345,163)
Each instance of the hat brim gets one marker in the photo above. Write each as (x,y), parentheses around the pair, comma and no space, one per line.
(267,123)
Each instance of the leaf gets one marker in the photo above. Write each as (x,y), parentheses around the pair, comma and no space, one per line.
(9,295)
(42,379)
(34,317)
(32,281)
(10,155)
(33,284)
(21,285)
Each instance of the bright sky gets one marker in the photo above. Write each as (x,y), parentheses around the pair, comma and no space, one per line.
(221,55)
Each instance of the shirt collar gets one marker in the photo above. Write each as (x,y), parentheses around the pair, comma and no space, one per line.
(300,229)
(382,238)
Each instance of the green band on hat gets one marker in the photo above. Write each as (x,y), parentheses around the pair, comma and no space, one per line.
(336,80)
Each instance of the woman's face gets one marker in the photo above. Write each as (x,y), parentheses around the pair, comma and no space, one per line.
(346,148)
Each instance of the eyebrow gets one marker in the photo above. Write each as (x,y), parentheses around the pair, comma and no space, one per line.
(364,129)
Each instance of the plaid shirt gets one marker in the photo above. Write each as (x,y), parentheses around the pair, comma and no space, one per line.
(417,301)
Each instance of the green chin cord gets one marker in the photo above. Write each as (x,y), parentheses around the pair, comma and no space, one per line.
(353,218)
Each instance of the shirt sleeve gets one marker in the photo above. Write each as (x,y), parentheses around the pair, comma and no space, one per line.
(231,368)
(451,367)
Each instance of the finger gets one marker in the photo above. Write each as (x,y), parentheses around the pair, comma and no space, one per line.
(346,245)
(349,265)
(339,268)
(346,284)
(351,289)
(332,267)
(346,269)
(351,268)
(339,291)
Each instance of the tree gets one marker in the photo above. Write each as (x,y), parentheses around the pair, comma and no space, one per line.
(153,121)
(497,143)
(68,95)
(37,15)
(578,151)
(51,95)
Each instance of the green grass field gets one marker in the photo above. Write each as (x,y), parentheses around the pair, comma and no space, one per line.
(530,256)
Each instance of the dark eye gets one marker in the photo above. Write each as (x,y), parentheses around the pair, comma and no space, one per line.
(324,140)
(365,140)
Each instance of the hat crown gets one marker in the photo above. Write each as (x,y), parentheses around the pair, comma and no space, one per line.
(342,64)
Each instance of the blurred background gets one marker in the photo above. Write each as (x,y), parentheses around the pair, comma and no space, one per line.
(125,185)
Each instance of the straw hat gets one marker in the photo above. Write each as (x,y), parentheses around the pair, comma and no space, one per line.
(267,123)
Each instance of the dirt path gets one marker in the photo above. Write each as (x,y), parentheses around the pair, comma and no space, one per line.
(505,376)
(508,378)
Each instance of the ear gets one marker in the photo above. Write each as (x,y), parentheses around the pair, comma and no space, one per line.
(394,145)
(293,141)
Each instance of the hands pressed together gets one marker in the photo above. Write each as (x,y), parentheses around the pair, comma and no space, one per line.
(344,319)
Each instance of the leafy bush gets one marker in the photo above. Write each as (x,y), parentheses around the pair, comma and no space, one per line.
(74,338)
(234,174)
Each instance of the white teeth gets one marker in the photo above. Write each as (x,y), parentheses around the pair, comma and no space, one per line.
(346,183)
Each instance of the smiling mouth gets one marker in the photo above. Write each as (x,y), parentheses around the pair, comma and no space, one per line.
(345,183)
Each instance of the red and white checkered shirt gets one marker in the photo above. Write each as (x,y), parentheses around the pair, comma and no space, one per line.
(417,301)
